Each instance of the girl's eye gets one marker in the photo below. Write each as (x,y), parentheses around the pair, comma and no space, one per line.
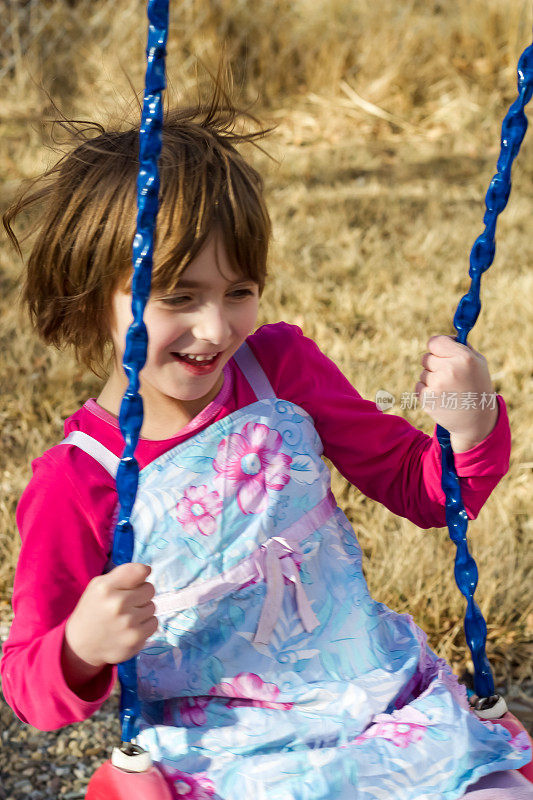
(176,301)
(183,299)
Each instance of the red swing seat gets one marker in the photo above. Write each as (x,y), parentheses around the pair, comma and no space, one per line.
(112,783)
(514,726)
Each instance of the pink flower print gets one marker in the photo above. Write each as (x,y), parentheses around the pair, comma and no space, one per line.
(248,463)
(520,741)
(401,734)
(197,510)
(192,710)
(248,689)
(191,787)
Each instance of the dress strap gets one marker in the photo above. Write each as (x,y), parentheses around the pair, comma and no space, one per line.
(94,448)
(253,372)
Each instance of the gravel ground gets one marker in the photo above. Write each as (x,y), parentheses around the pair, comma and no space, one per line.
(57,765)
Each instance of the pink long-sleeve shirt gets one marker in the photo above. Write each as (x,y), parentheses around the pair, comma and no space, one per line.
(65,515)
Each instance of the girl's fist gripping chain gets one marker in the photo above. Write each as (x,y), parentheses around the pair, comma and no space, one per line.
(456,390)
(111,622)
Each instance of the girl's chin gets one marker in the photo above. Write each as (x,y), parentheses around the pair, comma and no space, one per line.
(192,390)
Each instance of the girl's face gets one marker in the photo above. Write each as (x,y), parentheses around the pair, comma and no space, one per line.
(209,315)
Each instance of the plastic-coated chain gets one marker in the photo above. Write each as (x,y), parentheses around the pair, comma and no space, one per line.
(131,409)
(481,257)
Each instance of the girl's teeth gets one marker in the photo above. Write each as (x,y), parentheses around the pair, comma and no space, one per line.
(196,358)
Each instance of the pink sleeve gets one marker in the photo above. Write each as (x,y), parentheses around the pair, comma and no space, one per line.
(64,526)
(382,454)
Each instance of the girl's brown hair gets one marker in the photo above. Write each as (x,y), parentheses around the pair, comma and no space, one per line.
(87,203)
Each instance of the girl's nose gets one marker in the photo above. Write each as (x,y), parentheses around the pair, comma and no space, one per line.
(212,325)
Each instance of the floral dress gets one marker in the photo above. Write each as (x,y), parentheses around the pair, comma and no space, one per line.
(273,674)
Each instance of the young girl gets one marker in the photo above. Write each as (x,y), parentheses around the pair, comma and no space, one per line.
(265,668)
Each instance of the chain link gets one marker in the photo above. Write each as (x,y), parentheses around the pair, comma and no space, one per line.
(481,257)
(131,409)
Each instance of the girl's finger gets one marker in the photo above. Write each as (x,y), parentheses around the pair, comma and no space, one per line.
(141,596)
(445,346)
(128,576)
(430,362)
(142,614)
(149,627)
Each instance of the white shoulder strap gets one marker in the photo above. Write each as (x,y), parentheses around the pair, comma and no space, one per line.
(253,372)
(94,448)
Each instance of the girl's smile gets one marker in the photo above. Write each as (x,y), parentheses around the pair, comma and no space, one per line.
(192,334)
(198,364)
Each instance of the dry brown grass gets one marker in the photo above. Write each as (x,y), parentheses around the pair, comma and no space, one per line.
(388,120)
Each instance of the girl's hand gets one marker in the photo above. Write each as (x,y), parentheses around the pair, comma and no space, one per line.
(452,370)
(112,621)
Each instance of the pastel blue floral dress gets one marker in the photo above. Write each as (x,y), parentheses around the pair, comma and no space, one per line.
(273,674)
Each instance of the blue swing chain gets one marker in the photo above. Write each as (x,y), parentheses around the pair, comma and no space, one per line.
(481,257)
(131,409)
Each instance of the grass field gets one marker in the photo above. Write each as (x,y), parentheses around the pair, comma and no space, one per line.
(387,135)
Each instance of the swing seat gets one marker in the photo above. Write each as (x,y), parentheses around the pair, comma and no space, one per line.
(111,783)
(514,726)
